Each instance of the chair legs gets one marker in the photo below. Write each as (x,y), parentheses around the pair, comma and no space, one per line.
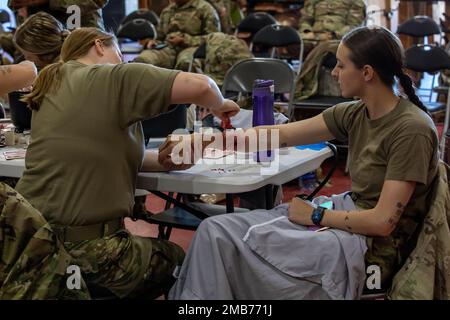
(346,166)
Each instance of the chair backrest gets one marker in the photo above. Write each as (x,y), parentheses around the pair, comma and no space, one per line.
(240,76)
(254,22)
(145,14)
(164,124)
(137,29)
(20,113)
(4,16)
(199,53)
(419,26)
(275,36)
(426,58)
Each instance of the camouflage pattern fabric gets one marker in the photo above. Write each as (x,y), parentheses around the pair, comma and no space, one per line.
(223,51)
(307,83)
(322,24)
(91,10)
(128,266)
(34,262)
(193,21)
(320,17)
(223,8)
(426,272)
(91,13)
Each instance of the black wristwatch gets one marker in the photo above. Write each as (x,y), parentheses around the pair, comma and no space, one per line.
(317,215)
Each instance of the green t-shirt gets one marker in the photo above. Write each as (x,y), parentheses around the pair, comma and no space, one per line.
(87,143)
(402,145)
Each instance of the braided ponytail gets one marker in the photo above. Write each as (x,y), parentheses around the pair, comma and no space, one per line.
(408,89)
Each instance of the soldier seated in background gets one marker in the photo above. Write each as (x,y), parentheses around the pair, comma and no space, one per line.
(322,25)
(322,20)
(91,10)
(183,26)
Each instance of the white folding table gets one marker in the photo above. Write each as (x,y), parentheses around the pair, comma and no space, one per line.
(227,177)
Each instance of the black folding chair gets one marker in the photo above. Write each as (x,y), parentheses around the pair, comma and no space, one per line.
(253,23)
(421,28)
(276,36)
(135,30)
(430,59)
(145,14)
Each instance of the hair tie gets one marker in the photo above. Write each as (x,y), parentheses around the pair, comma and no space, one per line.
(64,34)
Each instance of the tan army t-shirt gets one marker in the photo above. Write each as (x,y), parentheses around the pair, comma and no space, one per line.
(402,145)
(87,143)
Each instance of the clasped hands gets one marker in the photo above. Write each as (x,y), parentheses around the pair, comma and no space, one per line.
(175,39)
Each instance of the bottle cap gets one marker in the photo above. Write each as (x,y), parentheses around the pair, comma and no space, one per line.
(259,83)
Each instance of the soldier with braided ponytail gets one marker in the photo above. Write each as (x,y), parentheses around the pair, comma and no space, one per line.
(393,161)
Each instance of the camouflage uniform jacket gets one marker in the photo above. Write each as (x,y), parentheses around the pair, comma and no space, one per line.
(223,8)
(223,51)
(33,262)
(307,83)
(335,16)
(91,13)
(426,272)
(194,20)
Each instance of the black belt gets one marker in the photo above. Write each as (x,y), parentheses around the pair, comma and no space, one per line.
(89,232)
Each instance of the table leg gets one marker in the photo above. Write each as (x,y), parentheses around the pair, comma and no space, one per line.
(269,196)
(230,203)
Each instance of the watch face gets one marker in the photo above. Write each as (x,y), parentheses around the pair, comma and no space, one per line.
(317,215)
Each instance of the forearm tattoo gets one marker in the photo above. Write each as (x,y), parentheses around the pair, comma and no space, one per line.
(5,70)
(347,221)
(393,220)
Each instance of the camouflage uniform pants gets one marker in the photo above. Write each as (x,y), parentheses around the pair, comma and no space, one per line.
(168,58)
(127,265)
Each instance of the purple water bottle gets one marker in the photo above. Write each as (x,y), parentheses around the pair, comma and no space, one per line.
(263,98)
